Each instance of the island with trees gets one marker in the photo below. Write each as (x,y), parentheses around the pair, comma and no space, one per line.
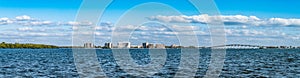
(29,46)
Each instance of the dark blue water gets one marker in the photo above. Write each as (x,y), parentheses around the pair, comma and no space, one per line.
(238,63)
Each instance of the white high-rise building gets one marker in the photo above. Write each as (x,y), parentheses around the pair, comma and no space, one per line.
(88,45)
(124,45)
(160,46)
(151,46)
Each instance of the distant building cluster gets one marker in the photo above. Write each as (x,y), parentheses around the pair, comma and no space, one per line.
(163,46)
(128,45)
(148,45)
(108,45)
(124,45)
(240,46)
(89,45)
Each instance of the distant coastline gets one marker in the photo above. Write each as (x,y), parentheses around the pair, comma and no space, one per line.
(5,45)
(25,46)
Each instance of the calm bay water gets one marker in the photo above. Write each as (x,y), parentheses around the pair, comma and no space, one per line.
(238,63)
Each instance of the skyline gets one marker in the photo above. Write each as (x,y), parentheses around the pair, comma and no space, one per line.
(262,23)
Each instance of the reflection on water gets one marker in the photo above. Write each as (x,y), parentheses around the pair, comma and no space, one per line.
(238,63)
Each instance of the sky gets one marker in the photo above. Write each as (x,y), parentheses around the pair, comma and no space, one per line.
(255,22)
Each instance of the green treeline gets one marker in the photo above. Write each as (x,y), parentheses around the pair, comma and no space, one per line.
(32,46)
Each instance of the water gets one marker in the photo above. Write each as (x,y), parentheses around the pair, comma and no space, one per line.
(238,63)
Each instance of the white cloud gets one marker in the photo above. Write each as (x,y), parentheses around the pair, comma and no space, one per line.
(104,28)
(39,34)
(36,34)
(23,18)
(283,22)
(294,37)
(26,20)
(33,34)
(184,28)
(5,20)
(163,33)
(106,24)
(244,26)
(30,29)
(244,32)
(74,28)
(84,23)
(255,33)
(25,29)
(99,33)
(39,23)
(228,20)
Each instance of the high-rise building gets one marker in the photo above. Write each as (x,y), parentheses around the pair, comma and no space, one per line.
(88,45)
(160,46)
(146,45)
(124,45)
(108,45)
(151,46)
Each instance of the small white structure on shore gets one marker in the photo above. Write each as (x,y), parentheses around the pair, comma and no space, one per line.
(173,46)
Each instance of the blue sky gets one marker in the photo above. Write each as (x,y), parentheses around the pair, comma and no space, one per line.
(259,22)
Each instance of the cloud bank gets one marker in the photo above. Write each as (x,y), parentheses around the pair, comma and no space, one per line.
(26,20)
(228,20)
(26,28)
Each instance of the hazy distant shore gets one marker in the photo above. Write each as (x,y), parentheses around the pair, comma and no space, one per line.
(4,45)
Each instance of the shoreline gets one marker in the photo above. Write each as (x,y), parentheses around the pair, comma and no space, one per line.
(151,48)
